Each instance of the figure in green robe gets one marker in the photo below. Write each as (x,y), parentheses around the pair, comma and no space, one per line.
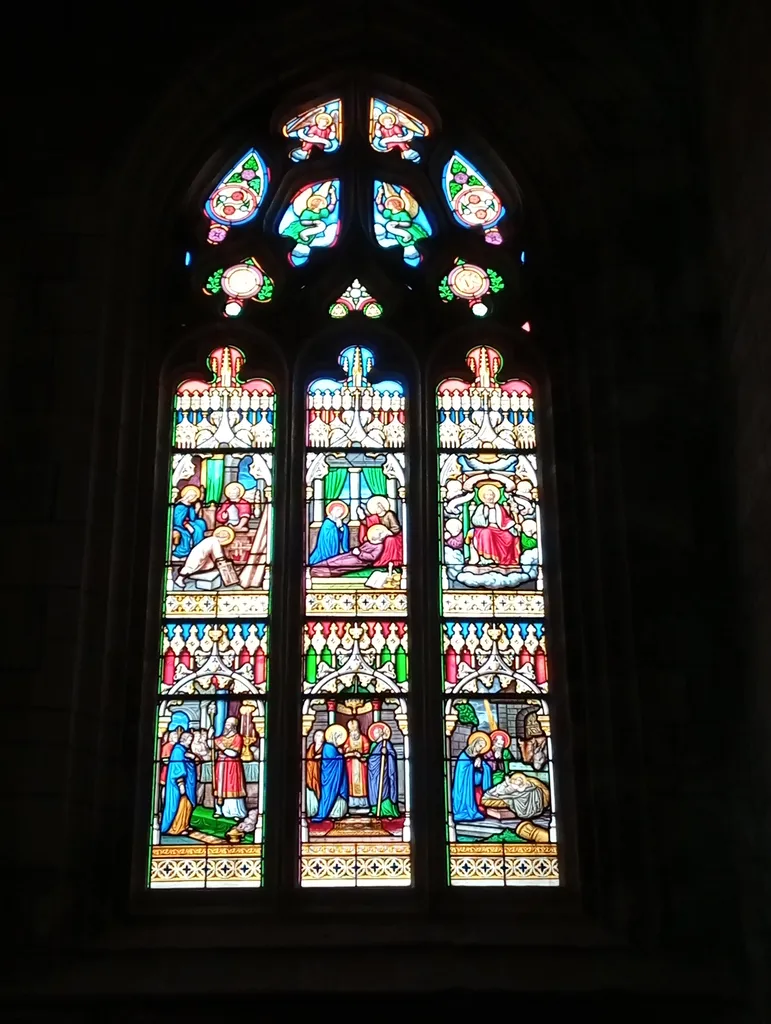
(400,221)
(312,220)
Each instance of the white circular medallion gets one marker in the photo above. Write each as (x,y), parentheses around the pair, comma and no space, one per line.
(242,281)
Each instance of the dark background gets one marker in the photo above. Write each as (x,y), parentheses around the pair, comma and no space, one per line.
(639,133)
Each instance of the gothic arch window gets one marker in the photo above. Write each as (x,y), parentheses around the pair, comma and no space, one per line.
(354,694)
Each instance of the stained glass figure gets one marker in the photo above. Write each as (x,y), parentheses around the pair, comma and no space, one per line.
(356,299)
(242,281)
(207,817)
(473,201)
(312,219)
(392,129)
(494,644)
(472,283)
(399,220)
(355,808)
(238,197)
(319,128)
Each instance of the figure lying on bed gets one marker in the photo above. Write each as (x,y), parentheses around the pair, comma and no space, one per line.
(366,556)
(520,794)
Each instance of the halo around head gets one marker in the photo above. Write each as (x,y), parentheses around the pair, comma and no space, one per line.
(490,485)
(225,535)
(334,506)
(502,483)
(378,731)
(500,732)
(375,500)
(377,533)
(480,736)
(233,487)
(336,734)
(191,491)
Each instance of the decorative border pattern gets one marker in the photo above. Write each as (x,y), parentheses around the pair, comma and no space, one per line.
(493,864)
(217,605)
(477,604)
(356,864)
(205,867)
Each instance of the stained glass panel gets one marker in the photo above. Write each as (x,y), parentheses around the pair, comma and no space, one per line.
(500,792)
(494,642)
(355,656)
(355,818)
(242,281)
(495,656)
(356,299)
(393,130)
(207,817)
(472,199)
(399,220)
(319,128)
(312,219)
(471,284)
(238,197)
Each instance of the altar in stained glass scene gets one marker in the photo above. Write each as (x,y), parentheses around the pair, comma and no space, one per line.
(209,786)
(494,639)
(355,823)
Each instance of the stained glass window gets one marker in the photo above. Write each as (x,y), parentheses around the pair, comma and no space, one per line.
(212,692)
(360,222)
(500,794)
(355,802)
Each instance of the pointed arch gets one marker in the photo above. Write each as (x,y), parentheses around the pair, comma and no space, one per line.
(213,677)
(355,816)
(499,774)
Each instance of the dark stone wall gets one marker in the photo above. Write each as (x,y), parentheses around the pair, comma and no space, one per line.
(737,102)
(639,139)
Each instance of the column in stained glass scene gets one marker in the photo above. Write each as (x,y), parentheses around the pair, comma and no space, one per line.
(355,803)
(500,795)
(209,781)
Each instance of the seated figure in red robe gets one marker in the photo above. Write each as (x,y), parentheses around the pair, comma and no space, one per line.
(235,510)
(378,511)
(494,532)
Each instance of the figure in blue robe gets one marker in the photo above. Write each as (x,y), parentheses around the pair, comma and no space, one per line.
(472,773)
(181,768)
(184,513)
(383,758)
(332,539)
(334,783)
